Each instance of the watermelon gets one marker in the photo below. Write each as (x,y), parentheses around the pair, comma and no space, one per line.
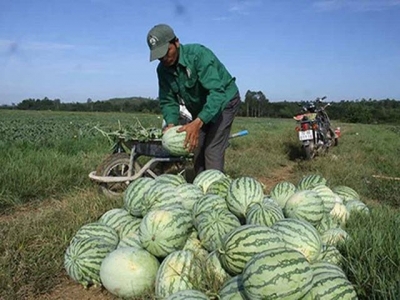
(214,269)
(174,142)
(281,191)
(346,193)
(208,202)
(334,236)
(308,182)
(194,244)
(332,286)
(331,255)
(340,213)
(189,194)
(207,177)
(241,244)
(326,267)
(232,289)
(356,205)
(188,295)
(242,192)
(97,230)
(305,205)
(174,179)
(129,235)
(129,272)
(329,198)
(279,273)
(165,230)
(160,195)
(220,187)
(301,236)
(134,194)
(179,271)
(83,258)
(213,225)
(116,218)
(265,213)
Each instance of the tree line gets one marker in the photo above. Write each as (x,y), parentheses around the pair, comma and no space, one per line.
(254,104)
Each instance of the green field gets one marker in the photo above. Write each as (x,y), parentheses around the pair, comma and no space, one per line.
(46,195)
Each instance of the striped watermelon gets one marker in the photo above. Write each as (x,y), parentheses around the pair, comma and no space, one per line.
(331,255)
(279,273)
(207,203)
(194,244)
(174,179)
(190,194)
(232,289)
(264,213)
(134,194)
(241,244)
(356,205)
(334,236)
(214,269)
(310,181)
(326,223)
(301,236)
(332,286)
(129,235)
(160,195)
(174,142)
(242,192)
(220,187)
(340,213)
(179,271)
(322,267)
(305,205)
(188,295)
(116,218)
(129,272)
(346,193)
(97,230)
(83,258)
(207,177)
(213,225)
(281,191)
(329,198)
(165,230)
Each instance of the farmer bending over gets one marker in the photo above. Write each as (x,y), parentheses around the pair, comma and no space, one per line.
(192,75)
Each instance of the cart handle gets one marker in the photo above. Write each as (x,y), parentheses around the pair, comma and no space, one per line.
(238,134)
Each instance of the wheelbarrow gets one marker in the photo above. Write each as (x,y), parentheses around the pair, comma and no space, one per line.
(133,159)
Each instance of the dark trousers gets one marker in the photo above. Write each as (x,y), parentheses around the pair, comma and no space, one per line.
(213,139)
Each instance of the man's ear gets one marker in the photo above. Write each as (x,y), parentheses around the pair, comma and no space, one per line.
(177,43)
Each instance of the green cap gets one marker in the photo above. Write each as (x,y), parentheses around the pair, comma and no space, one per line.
(158,40)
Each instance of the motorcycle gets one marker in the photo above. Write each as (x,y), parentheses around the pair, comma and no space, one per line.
(314,128)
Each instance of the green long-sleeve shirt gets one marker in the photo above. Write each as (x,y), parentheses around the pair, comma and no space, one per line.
(200,79)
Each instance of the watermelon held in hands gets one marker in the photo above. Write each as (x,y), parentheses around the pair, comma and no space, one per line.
(174,142)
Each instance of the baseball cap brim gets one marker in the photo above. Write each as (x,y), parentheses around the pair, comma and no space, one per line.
(159,52)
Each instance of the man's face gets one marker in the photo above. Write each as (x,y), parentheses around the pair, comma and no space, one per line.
(171,57)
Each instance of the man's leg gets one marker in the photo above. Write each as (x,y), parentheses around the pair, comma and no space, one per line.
(217,136)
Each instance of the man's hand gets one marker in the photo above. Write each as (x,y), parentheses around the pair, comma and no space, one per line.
(192,133)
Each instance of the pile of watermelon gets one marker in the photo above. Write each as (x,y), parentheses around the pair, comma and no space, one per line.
(219,238)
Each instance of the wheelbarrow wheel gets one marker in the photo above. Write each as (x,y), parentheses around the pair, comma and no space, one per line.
(116,165)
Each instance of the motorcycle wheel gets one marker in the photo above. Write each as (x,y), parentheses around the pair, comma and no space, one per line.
(333,137)
(309,152)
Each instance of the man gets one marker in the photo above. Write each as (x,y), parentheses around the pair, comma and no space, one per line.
(192,75)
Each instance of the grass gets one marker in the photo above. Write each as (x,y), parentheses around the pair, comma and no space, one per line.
(45,194)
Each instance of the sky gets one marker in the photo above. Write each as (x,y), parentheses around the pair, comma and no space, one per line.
(289,49)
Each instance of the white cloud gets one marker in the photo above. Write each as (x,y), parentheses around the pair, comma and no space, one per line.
(355,5)
(244,7)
